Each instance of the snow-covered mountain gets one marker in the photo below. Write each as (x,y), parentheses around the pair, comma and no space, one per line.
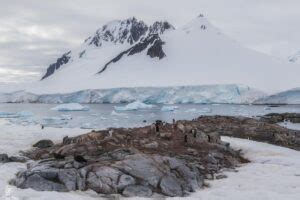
(130,53)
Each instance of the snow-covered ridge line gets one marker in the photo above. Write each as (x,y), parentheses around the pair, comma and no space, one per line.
(229,94)
(117,32)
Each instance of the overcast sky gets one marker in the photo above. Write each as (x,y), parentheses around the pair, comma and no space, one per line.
(33,33)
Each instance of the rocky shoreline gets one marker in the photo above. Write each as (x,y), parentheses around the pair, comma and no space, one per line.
(170,159)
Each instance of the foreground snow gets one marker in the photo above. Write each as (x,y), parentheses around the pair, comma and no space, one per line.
(272,174)
(289,125)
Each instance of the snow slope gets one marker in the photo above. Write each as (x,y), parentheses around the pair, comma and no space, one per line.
(195,54)
(272,174)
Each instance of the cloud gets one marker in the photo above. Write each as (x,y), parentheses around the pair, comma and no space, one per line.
(33,33)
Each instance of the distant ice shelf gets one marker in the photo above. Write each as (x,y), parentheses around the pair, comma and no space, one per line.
(205,94)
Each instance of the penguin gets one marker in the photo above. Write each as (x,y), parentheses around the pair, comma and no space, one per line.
(185,138)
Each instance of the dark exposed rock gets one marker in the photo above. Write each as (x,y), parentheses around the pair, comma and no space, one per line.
(160,27)
(281,117)
(152,42)
(249,128)
(221,176)
(19,159)
(42,144)
(4,158)
(130,30)
(64,59)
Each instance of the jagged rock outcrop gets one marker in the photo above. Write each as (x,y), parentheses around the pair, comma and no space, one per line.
(253,129)
(152,42)
(126,161)
(281,117)
(168,159)
(55,66)
(120,31)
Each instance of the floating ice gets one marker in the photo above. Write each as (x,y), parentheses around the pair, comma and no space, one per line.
(137,105)
(70,107)
(169,108)
(117,113)
(25,114)
(205,110)
(191,110)
(54,121)
(66,117)
(8,115)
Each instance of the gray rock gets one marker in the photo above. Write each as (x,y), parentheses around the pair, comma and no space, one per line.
(153,145)
(39,183)
(170,186)
(4,158)
(103,179)
(125,180)
(42,144)
(137,191)
(68,178)
(166,135)
(142,167)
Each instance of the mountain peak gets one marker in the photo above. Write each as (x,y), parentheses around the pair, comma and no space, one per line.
(119,31)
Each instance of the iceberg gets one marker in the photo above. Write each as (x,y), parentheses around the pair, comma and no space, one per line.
(137,105)
(169,108)
(70,107)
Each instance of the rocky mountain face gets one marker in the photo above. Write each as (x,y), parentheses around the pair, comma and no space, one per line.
(130,31)
(55,66)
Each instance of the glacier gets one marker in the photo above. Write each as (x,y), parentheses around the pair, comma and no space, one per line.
(204,94)
(285,97)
